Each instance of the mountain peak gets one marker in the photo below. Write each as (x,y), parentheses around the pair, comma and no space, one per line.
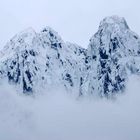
(51,37)
(114,21)
(24,36)
(48,30)
(29,32)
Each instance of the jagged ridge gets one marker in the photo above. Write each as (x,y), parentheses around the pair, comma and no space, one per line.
(34,61)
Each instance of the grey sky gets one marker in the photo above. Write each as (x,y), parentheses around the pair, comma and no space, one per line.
(75,20)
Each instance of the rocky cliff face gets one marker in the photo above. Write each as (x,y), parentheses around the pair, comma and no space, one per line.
(34,61)
(113,54)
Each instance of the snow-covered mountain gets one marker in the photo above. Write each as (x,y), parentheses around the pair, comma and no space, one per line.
(35,61)
(113,53)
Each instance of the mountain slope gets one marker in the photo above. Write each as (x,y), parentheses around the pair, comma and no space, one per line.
(113,53)
(36,61)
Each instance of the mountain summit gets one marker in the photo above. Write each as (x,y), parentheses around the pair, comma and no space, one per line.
(36,61)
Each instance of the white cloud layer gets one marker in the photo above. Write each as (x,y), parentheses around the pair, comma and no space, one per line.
(60,117)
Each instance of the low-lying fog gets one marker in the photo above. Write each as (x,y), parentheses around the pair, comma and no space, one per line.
(61,117)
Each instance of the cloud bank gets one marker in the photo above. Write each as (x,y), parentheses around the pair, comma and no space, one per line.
(59,116)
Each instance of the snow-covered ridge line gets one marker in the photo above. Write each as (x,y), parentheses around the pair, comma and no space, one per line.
(36,61)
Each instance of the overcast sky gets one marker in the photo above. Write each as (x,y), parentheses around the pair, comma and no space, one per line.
(75,20)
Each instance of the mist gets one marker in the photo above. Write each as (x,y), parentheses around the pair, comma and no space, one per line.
(59,116)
